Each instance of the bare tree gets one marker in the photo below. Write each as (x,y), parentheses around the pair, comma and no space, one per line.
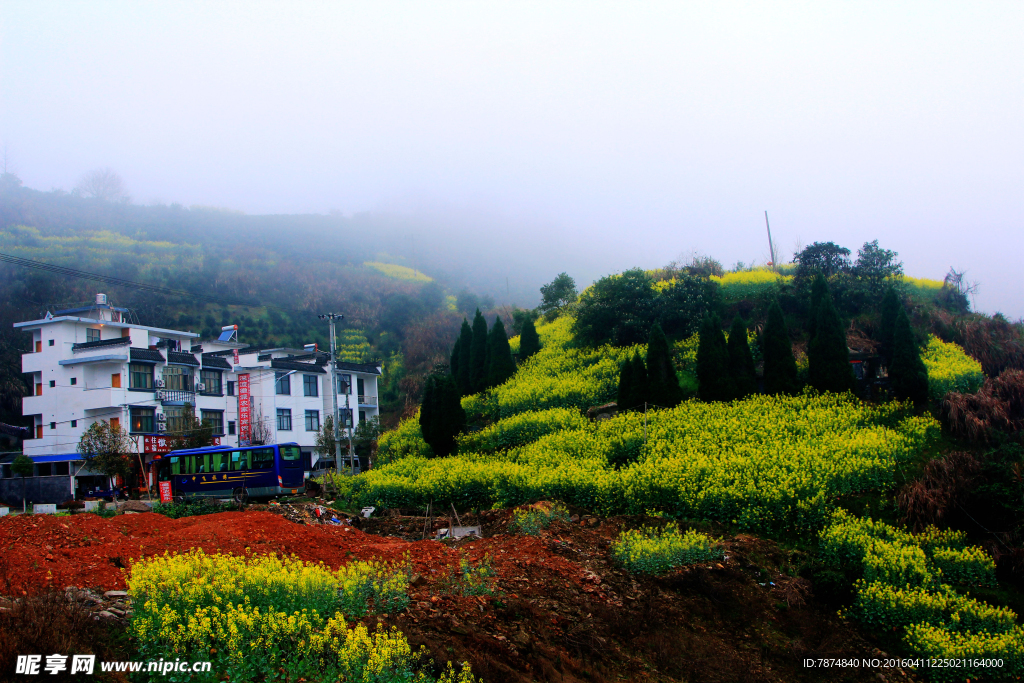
(104,184)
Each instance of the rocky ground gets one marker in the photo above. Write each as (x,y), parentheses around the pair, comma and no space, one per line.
(555,607)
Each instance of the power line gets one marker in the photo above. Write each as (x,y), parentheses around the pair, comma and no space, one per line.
(121,282)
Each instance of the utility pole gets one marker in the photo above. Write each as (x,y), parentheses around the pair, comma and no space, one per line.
(334,386)
(771,247)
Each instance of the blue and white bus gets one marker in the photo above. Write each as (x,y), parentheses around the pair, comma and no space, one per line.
(240,473)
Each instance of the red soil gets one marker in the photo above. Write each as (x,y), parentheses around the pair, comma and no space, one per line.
(85,550)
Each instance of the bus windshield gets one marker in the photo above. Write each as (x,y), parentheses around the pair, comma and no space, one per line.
(289,452)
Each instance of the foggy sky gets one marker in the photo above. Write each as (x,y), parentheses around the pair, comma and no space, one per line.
(606,135)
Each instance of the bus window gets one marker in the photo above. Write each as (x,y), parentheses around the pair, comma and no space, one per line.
(220,462)
(163,472)
(290,452)
(188,464)
(262,458)
(175,464)
(239,460)
(201,463)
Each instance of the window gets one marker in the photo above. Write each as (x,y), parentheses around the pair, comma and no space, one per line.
(140,376)
(284,419)
(142,420)
(53,425)
(262,458)
(284,383)
(361,387)
(92,334)
(178,378)
(345,417)
(74,381)
(175,419)
(231,427)
(60,469)
(7,471)
(312,420)
(290,453)
(239,460)
(53,383)
(310,385)
(211,380)
(74,423)
(344,384)
(231,388)
(51,342)
(362,416)
(42,469)
(220,462)
(215,418)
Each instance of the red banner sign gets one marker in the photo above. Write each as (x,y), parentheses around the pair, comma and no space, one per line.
(165,492)
(158,444)
(235,356)
(244,410)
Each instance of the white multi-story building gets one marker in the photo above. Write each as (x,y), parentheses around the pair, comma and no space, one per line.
(94,363)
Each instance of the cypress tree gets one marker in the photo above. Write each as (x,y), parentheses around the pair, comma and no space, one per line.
(478,354)
(624,399)
(819,290)
(529,340)
(713,377)
(465,343)
(453,363)
(907,372)
(501,364)
(780,375)
(828,357)
(663,388)
(641,384)
(442,417)
(741,361)
(887,323)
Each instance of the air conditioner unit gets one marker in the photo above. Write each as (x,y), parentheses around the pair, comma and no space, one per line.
(160,417)
(202,386)
(161,427)
(158,383)
(161,395)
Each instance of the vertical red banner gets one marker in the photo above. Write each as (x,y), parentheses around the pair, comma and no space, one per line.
(244,410)
(165,492)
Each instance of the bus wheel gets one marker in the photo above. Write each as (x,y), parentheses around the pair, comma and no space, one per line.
(240,496)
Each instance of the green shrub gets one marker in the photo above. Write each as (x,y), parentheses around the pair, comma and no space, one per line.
(531,520)
(950,369)
(966,565)
(655,551)
(519,430)
(190,507)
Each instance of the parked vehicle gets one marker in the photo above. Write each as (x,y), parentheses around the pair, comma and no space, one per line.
(240,473)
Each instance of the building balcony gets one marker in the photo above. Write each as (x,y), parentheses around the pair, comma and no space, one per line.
(175,397)
(367,400)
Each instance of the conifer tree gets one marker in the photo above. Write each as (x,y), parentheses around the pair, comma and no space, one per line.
(641,383)
(741,360)
(663,388)
(819,290)
(529,341)
(501,364)
(478,354)
(907,372)
(632,383)
(713,377)
(465,344)
(453,363)
(828,357)
(780,376)
(887,324)
(442,417)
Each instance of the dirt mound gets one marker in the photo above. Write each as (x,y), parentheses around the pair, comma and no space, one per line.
(555,609)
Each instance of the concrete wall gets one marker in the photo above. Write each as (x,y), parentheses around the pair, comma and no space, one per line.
(37,490)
